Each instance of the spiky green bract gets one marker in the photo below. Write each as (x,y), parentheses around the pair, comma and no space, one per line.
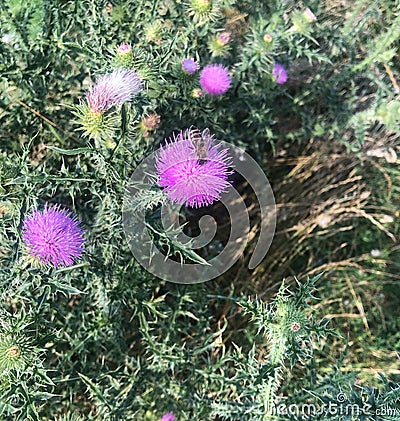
(289,329)
(24,382)
(202,11)
(287,323)
(124,57)
(100,127)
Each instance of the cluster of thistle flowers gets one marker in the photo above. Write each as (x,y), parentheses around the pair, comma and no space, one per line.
(301,23)
(53,236)
(214,78)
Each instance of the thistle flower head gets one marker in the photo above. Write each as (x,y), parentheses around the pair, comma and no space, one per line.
(113,89)
(214,79)
(124,48)
(53,236)
(309,15)
(189,66)
(149,124)
(14,353)
(224,38)
(267,38)
(280,73)
(197,93)
(169,416)
(193,175)
(201,6)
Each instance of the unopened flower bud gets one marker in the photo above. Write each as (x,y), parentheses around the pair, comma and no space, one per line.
(295,327)
(14,351)
(224,38)
(151,122)
(124,48)
(201,6)
(309,15)
(197,93)
(268,38)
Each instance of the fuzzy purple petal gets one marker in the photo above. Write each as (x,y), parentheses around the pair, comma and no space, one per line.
(185,179)
(214,79)
(113,89)
(53,236)
(189,66)
(169,416)
(280,74)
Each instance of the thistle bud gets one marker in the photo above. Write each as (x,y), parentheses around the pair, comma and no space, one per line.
(197,93)
(219,44)
(295,327)
(302,21)
(224,38)
(153,32)
(124,58)
(124,49)
(201,6)
(268,38)
(14,351)
(149,124)
(202,11)
(309,15)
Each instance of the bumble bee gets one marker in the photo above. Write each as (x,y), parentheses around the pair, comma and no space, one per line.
(200,142)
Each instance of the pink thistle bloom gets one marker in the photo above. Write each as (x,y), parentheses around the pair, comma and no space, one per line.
(309,15)
(113,89)
(268,38)
(189,179)
(53,236)
(169,416)
(214,79)
(280,74)
(189,66)
(124,48)
(224,38)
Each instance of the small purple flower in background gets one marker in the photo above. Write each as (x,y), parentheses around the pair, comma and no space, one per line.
(189,66)
(214,79)
(189,178)
(169,416)
(53,236)
(113,89)
(280,74)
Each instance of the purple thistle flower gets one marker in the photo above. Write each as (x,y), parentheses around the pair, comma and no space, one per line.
(113,89)
(189,66)
(188,179)
(280,74)
(53,236)
(169,416)
(214,79)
